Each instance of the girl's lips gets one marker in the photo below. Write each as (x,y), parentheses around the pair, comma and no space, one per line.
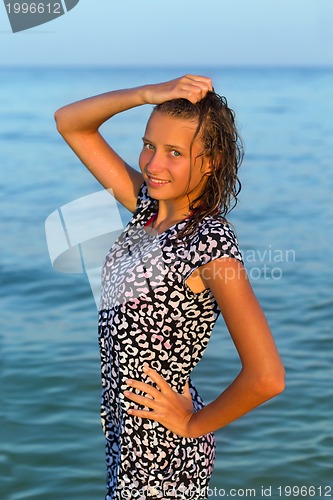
(156,182)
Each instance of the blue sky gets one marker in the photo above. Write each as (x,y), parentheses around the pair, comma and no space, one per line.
(177,32)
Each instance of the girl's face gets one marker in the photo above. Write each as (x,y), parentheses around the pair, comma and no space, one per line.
(168,168)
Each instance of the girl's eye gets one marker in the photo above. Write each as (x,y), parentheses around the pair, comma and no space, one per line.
(175,153)
(149,146)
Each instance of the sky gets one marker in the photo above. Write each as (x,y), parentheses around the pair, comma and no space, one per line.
(176,33)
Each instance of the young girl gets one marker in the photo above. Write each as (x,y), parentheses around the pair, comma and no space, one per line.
(165,281)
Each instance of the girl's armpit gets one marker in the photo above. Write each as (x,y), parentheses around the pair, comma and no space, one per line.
(194,282)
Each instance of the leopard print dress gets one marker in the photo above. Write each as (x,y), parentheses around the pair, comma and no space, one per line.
(148,315)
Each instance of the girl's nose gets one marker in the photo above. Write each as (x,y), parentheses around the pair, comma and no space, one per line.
(155,163)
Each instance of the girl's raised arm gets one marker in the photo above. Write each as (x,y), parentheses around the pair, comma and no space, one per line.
(79,124)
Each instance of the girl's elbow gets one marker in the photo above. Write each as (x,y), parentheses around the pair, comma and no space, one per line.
(278,385)
(59,119)
(272,384)
(63,120)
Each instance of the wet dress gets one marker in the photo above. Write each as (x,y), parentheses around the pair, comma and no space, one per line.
(148,315)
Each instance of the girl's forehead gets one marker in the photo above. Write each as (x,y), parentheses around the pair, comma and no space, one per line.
(163,124)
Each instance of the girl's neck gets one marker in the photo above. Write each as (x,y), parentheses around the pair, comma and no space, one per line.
(171,211)
(169,214)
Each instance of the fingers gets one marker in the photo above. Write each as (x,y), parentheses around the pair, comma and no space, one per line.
(193,87)
(150,391)
(202,81)
(142,386)
(151,394)
(190,87)
(156,377)
(162,404)
(143,414)
(141,400)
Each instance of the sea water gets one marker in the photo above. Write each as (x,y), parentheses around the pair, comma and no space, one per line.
(51,439)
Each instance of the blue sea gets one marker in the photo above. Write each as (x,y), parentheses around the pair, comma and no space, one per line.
(52,445)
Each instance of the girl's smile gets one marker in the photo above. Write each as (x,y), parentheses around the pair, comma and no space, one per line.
(154,182)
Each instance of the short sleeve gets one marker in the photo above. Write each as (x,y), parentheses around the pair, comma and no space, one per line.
(213,240)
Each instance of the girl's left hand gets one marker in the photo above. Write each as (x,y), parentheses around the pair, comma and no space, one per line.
(168,407)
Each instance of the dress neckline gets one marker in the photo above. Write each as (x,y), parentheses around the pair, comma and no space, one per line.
(153,218)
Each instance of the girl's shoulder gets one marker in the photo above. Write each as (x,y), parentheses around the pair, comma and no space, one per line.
(214,238)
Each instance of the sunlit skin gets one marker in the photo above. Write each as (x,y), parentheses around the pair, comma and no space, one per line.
(167,155)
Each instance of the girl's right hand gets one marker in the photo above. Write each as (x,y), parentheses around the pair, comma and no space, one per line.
(190,87)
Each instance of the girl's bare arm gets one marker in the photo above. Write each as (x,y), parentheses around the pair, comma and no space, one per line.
(79,124)
(262,373)
(261,376)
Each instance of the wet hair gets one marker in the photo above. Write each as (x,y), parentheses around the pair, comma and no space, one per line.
(223,146)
